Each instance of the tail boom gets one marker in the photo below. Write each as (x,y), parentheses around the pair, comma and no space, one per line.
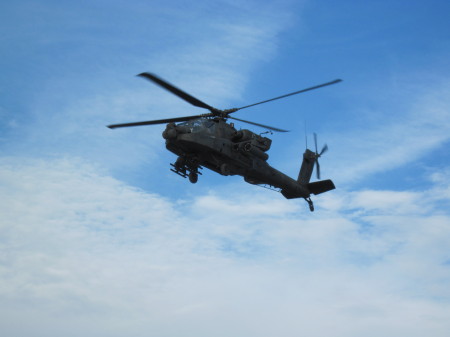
(303,188)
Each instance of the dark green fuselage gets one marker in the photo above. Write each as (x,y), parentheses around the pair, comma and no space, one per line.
(218,146)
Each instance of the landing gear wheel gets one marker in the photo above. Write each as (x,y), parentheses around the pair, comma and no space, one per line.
(193,177)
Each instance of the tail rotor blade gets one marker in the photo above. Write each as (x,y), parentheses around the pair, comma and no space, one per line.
(324,149)
(317,169)
(318,154)
(315,141)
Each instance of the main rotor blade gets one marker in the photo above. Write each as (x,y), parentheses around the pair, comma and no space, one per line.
(260,125)
(292,93)
(158,121)
(174,90)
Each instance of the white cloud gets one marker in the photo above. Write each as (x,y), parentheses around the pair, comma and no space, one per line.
(85,254)
(108,259)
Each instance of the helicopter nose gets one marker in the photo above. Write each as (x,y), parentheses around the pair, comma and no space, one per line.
(169,133)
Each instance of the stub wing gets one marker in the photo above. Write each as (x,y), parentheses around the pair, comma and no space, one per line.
(319,187)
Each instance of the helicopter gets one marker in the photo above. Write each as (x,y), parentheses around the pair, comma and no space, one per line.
(209,141)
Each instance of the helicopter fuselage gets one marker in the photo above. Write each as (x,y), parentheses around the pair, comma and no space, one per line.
(218,146)
(207,140)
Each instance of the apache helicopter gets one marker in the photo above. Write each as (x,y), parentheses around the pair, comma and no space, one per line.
(208,140)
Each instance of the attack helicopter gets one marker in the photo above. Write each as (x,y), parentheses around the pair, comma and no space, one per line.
(209,140)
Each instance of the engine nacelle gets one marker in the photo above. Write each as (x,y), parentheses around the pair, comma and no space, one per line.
(243,135)
(256,151)
(263,143)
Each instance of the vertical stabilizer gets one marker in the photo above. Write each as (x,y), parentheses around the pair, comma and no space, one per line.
(307,167)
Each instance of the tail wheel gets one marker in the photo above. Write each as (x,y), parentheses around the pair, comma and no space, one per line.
(310,203)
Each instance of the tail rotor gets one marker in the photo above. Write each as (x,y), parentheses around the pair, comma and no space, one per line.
(318,155)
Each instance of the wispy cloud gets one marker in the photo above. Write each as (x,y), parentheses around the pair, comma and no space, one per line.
(406,129)
(77,241)
(108,259)
(73,101)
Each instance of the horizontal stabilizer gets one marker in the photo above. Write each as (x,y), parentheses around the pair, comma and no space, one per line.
(319,187)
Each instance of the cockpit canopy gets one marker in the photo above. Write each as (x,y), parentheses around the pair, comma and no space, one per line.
(198,125)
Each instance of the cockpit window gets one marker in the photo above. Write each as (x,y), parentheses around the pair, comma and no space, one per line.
(197,125)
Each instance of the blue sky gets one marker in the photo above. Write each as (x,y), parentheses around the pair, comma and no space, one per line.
(99,238)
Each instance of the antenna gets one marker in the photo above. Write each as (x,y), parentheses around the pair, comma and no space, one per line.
(306,137)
